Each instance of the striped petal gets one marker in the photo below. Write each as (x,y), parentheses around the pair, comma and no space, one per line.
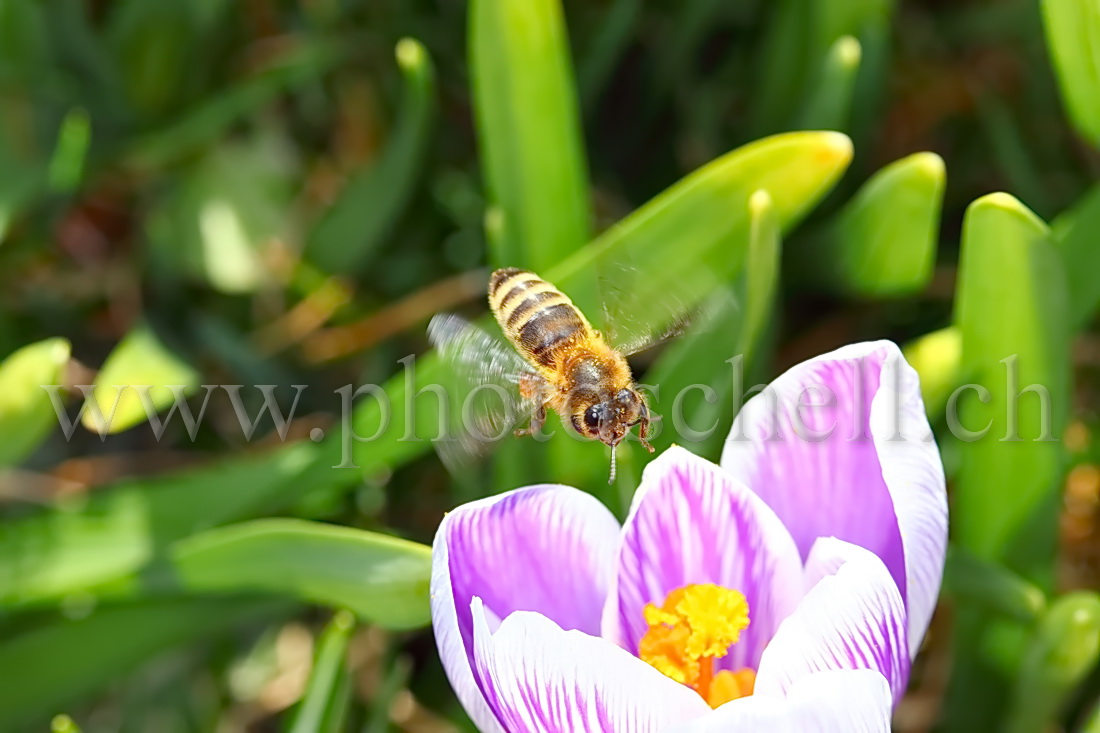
(855,460)
(547,549)
(538,678)
(692,523)
(852,617)
(827,702)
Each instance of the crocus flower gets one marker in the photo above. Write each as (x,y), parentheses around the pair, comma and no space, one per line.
(787,589)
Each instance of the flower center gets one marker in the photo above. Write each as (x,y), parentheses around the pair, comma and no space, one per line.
(696,626)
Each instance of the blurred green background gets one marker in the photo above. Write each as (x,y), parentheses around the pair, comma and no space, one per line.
(284,192)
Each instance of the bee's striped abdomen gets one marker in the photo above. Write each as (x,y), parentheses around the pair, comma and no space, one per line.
(540,320)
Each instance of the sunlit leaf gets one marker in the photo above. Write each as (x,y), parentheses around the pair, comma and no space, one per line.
(936,356)
(1012,315)
(1073,40)
(883,242)
(26,412)
(140,377)
(382,579)
(119,530)
(223,223)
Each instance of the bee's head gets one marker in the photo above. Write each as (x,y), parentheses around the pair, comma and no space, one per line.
(609,420)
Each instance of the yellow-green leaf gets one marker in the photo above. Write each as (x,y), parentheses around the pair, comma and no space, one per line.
(140,377)
(26,411)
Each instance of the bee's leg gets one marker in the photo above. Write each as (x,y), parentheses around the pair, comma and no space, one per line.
(537,421)
(530,388)
(643,428)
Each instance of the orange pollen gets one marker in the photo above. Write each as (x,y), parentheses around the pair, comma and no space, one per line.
(696,625)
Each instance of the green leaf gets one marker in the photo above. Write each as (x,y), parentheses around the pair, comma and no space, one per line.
(1011,312)
(684,244)
(152,44)
(383,579)
(612,36)
(977,582)
(25,45)
(63,724)
(829,103)
(300,66)
(91,652)
(364,213)
(761,277)
(26,412)
(529,130)
(67,165)
(1074,234)
(797,42)
(1073,39)
(139,378)
(397,672)
(1064,649)
(936,356)
(118,531)
(324,705)
(883,242)
(1092,722)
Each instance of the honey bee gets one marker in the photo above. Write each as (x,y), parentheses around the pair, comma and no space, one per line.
(559,362)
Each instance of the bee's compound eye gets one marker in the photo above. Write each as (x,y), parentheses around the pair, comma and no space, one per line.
(592,417)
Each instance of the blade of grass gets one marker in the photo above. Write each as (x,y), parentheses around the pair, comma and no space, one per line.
(829,102)
(324,705)
(529,130)
(358,222)
(204,124)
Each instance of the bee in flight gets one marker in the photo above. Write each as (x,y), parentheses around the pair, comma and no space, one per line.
(566,364)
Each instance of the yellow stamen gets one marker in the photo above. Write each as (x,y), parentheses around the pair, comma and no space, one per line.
(696,625)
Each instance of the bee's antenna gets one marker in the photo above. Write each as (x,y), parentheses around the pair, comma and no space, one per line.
(611,479)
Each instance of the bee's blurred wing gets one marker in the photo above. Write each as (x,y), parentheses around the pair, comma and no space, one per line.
(482,382)
(638,315)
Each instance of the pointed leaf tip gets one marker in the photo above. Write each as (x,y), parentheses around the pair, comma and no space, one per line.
(410,53)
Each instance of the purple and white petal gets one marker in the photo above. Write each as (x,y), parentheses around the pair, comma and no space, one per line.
(693,523)
(851,618)
(546,548)
(856,701)
(840,446)
(538,678)
(913,471)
